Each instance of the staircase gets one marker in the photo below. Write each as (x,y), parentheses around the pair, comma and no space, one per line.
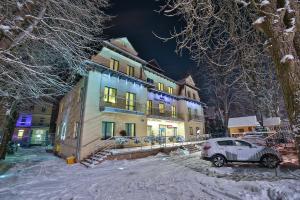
(100,154)
(96,159)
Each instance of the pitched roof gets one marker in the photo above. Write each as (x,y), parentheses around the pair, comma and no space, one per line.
(153,64)
(272,121)
(123,43)
(242,121)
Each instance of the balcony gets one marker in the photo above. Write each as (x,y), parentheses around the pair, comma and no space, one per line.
(196,118)
(155,112)
(121,104)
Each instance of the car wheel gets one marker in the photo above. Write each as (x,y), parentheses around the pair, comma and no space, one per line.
(269,161)
(218,160)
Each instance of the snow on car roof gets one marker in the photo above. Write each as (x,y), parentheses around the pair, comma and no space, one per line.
(242,121)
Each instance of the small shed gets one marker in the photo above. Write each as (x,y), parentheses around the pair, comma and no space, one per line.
(239,125)
(273,123)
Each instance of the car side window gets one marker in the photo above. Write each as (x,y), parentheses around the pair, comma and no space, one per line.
(226,143)
(242,143)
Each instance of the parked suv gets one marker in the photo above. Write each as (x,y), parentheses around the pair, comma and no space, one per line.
(222,150)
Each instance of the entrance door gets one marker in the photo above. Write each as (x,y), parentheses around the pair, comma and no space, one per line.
(162,130)
(108,129)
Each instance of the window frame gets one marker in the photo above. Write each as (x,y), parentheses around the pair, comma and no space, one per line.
(161,86)
(128,100)
(114,64)
(170,90)
(161,109)
(149,107)
(173,111)
(110,98)
(130,70)
(233,143)
(127,129)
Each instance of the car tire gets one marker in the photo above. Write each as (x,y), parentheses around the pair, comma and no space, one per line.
(269,161)
(218,160)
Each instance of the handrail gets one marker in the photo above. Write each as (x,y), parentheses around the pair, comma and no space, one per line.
(91,141)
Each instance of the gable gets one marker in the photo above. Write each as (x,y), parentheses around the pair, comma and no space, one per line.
(189,80)
(123,43)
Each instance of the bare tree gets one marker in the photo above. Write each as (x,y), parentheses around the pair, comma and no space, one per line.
(42,46)
(230,25)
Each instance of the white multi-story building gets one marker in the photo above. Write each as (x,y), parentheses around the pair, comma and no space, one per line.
(123,92)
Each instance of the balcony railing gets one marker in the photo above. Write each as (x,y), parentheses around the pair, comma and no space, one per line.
(164,114)
(196,117)
(121,103)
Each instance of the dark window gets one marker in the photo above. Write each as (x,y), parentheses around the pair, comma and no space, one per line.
(226,143)
(42,120)
(194,96)
(130,129)
(149,80)
(242,143)
(108,130)
(43,109)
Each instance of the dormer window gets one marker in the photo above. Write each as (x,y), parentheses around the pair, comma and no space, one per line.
(114,64)
(161,86)
(130,70)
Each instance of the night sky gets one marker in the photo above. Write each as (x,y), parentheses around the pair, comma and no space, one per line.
(137,20)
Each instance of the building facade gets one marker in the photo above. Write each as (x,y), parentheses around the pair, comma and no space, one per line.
(32,126)
(125,95)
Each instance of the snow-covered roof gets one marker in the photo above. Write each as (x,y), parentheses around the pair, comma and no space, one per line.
(272,121)
(242,121)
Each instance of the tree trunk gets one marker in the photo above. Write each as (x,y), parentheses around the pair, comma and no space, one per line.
(280,21)
(8,128)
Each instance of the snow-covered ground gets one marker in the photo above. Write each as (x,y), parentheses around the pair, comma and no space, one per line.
(158,177)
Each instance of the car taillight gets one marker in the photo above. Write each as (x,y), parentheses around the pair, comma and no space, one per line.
(206,146)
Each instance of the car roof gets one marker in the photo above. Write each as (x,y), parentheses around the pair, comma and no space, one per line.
(224,138)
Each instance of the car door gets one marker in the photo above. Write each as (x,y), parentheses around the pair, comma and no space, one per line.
(228,149)
(245,151)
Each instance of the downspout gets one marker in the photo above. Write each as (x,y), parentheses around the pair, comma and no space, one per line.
(82,109)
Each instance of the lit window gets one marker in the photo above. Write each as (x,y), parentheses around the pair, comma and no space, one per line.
(130,129)
(173,111)
(110,95)
(20,134)
(170,90)
(149,107)
(114,64)
(161,108)
(161,86)
(130,101)
(130,70)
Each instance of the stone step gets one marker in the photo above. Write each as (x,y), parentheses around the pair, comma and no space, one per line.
(86,164)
